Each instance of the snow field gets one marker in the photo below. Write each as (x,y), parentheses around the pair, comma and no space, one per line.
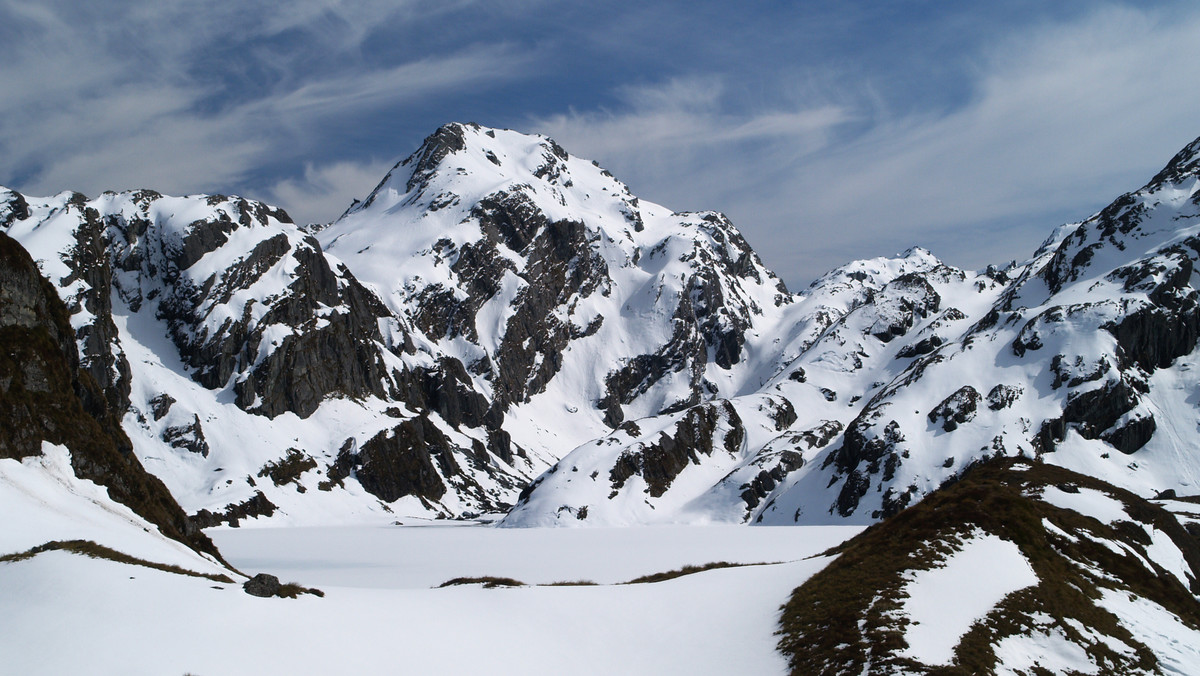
(383,619)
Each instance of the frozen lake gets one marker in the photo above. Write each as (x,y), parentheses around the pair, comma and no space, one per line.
(419,557)
(381,616)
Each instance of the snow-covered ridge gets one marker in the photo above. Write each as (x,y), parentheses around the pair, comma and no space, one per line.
(904,372)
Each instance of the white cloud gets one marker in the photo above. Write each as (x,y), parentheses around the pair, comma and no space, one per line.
(407,82)
(113,101)
(682,144)
(1061,120)
(327,191)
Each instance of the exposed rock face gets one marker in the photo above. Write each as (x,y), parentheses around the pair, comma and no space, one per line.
(188,437)
(400,462)
(658,463)
(956,409)
(256,506)
(287,349)
(45,395)
(1002,396)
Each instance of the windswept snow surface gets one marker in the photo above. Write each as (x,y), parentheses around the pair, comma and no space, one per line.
(384,619)
(944,602)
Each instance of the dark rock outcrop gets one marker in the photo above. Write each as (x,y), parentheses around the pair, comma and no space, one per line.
(45,395)
(189,437)
(695,434)
(956,409)
(262,585)
(255,506)
(400,461)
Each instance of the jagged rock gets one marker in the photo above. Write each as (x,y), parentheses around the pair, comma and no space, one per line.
(256,506)
(160,406)
(766,480)
(862,450)
(289,469)
(1002,396)
(904,301)
(46,396)
(924,346)
(695,434)
(956,409)
(188,437)
(100,351)
(1095,411)
(400,462)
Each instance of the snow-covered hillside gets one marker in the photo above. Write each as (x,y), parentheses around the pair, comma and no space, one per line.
(1018,568)
(514,302)
(1081,356)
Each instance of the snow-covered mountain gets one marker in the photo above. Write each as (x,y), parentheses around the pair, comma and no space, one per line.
(1081,356)
(499,322)
(502,327)
(507,303)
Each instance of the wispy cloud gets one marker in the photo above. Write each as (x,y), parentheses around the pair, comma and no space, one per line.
(119,101)
(324,192)
(684,144)
(1058,120)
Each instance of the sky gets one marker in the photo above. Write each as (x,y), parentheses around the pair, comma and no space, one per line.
(827,131)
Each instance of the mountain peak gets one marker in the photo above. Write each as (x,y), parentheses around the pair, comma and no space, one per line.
(1186,163)
(465,162)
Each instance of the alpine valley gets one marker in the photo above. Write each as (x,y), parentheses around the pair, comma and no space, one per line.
(502,332)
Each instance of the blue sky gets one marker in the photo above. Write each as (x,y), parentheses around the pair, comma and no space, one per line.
(828,131)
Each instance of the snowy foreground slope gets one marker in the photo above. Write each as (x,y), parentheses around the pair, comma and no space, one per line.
(381,615)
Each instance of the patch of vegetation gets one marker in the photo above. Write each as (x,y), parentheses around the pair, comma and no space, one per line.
(291,590)
(491,582)
(488,582)
(689,570)
(846,619)
(99,551)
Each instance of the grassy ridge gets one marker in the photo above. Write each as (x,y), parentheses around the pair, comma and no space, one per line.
(846,618)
